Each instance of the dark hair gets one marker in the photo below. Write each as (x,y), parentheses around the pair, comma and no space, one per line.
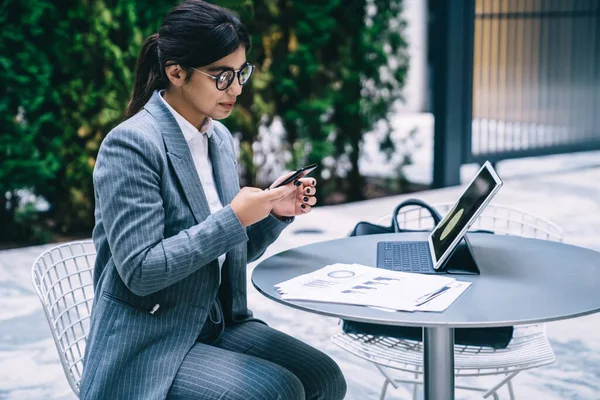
(193,34)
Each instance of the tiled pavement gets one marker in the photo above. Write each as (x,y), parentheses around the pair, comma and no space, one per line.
(563,189)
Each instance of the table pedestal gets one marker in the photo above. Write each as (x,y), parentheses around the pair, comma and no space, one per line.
(438,359)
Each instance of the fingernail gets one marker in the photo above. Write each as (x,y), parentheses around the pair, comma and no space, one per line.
(305,198)
(297,183)
(314,182)
(302,205)
(308,190)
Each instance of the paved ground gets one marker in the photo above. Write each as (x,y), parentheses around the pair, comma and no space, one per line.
(563,189)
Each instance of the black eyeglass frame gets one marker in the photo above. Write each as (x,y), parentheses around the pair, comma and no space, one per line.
(237,72)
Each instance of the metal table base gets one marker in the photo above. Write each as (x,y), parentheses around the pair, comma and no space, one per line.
(438,360)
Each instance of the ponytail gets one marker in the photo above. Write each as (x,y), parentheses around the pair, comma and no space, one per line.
(148,76)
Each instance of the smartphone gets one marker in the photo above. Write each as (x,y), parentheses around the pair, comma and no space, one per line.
(298,174)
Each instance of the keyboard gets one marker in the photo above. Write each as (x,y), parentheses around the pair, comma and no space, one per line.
(404,256)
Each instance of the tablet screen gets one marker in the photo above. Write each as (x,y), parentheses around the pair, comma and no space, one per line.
(466,208)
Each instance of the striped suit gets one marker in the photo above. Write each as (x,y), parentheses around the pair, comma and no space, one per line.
(161,325)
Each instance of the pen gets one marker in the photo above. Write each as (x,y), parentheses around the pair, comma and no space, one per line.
(424,299)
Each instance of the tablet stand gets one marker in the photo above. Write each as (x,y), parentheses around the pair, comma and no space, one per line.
(461,261)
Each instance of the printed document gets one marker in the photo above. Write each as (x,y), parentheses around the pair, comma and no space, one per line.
(374,287)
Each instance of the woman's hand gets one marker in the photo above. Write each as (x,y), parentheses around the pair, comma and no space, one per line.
(300,201)
(252,204)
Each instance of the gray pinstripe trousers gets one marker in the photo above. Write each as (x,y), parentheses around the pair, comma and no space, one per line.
(251,361)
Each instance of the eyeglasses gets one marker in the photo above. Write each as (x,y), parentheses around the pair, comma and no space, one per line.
(225,78)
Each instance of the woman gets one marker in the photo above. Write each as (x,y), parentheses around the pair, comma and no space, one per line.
(174,232)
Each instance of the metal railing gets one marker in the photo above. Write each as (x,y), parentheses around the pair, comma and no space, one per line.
(536,78)
(513,78)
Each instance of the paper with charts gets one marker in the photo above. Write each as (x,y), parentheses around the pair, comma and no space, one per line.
(374,287)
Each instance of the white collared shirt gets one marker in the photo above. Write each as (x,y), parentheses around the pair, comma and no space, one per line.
(197,141)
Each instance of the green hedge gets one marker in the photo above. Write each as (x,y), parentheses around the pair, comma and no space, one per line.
(67,68)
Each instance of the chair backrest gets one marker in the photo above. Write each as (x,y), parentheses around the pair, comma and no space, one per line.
(502,220)
(62,278)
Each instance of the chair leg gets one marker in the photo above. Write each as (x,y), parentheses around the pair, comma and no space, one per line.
(415,387)
(384,389)
(507,378)
(511,391)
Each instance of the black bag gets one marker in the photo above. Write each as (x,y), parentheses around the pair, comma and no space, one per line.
(497,338)
(368,228)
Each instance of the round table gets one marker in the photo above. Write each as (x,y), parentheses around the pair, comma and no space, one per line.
(522,281)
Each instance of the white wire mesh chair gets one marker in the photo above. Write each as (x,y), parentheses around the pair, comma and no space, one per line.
(529,347)
(62,278)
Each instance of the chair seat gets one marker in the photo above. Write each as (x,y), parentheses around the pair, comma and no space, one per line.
(529,348)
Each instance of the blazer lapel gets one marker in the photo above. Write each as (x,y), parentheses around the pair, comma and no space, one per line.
(179,154)
(224,169)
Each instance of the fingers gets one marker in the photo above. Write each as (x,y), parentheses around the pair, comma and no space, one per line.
(308,186)
(309,182)
(309,190)
(305,208)
(308,200)
(306,196)
(278,193)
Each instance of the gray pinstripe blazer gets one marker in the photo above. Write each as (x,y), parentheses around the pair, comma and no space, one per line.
(157,244)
